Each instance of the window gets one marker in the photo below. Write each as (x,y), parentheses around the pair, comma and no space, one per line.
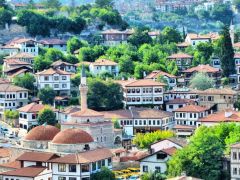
(161,155)
(99,164)
(56,78)
(86,147)
(62,167)
(170,106)
(64,77)
(234,155)
(72,178)
(64,85)
(61,178)
(103,162)
(234,170)
(72,168)
(94,166)
(85,168)
(109,161)
(158,169)
(56,85)
(46,78)
(145,168)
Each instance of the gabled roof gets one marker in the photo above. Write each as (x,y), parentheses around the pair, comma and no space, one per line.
(11,88)
(156,74)
(31,171)
(220,91)
(70,109)
(53,41)
(140,83)
(19,41)
(236,145)
(60,62)
(180,55)
(198,36)
(191,108)
(5,152)
(237,55)
(12,165)
(52,71)
(37,156)
(179,141)
(115,31)
(86,113)
(84,157)
(222,116)
(183,44)
(21,55)
(104,62)
(180,101)
(33,108)
(16,62)
(184,127)
(202,68)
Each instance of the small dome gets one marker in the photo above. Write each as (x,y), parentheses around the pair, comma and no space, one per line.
(72,136)
(42,133)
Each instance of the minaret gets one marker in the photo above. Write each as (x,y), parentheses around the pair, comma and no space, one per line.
(83,89)
(231,31)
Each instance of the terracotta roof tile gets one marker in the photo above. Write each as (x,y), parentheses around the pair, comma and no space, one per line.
(237,55)
(220,91)
(222,116)
(5,152)
(179,55)
(180,101)
(42,133)
(31,171)
(104,62)
(236,45)
(170,151)
(183,127)
(202,68)
(140,83)
(13,165)
(198,36)
(33,108)
(60,62)
(115,31)
(191,108)
(36,156)
(236,145)
(52,71)
(183,44)
(11,88)
(156,74)
(85,157)
(86,113)
(15,62)
(72,136)
(53,41)
(21,55)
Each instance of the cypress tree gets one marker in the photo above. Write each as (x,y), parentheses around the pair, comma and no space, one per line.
(226,54)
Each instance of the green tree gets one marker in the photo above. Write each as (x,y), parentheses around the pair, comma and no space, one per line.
(104,3)
(100,99)
(226,53)
(237,4)
(47,116)
(40,63)
(222,12)
(25,81)
(31,4)
(46,95)
(202,157)
(144,140)
(116,123)
(201,81)
(170,35)
(5,16)
(139,37)
(104,174)
(126,64)
(54,4)
(74,44)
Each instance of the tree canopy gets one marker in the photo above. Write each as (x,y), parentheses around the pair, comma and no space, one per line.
(46,95)
(26,81)
(202,157)
(201,81)
(47,116)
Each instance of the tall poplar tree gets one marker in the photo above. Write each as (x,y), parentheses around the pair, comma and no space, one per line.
(226,53)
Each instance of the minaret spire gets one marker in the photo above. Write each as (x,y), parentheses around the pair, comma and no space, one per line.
(83,89)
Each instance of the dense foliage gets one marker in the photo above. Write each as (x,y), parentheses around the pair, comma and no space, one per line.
(144,140)
(47,116)
(104,174)
(25,81)
(202,158)
(46,95)
(201,81)
(100,99)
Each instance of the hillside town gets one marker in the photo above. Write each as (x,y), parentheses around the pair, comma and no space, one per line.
(86,94)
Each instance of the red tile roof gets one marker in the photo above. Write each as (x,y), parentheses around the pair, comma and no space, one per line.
(36,156)
(221,91)
(11,88)
(183,44)
(236,145)
(104,62)
(21,55)
(198,36)
(236,45)
(115,31)
(72,136)
(180,101)
(156,74)
(86,113)
(33,108)
(237,55)
(180,55)
(170,151)
(53,41)
(191,108)
(13,165)
(85,157)
(183,127)
(42,133)
(60,62)
(202,68)
(140,83)
(222,116)
(5,152)
(52,71)
(31,171)
(15,62)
